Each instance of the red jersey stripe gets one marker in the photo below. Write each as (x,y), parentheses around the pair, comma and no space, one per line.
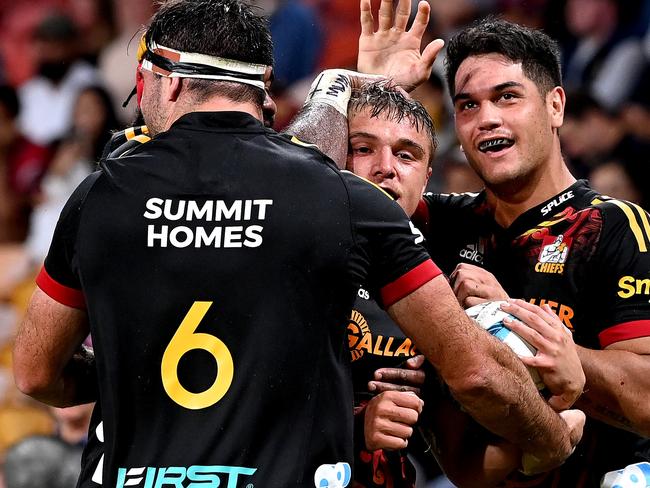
(409,282)
(624,331)
(61,293)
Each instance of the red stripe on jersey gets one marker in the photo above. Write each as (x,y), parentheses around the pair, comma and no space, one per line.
(624,331)
(61,293)
(409,282)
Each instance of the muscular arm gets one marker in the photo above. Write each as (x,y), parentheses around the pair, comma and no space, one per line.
(617,390)
(487,379)
(322,125)
(49,362)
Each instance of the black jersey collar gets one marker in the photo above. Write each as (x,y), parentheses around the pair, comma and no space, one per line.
(219,121)
(573,196)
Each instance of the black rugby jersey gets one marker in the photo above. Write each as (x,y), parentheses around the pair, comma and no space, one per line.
(217,287)
(376,341)
(586,256)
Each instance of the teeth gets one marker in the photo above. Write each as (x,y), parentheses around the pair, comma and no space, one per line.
(484,146)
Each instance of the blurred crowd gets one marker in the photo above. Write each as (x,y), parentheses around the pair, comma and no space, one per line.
(67,66)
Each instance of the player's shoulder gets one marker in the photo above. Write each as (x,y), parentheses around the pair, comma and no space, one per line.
(624,217)
(450,208)
(360,183)
(125,141)
(464,200)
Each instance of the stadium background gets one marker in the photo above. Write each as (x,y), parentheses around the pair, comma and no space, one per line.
(66,66)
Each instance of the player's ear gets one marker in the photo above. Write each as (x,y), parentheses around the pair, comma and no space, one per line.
(556,100)
(174,86)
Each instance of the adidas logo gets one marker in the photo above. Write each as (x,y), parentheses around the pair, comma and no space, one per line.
(473,252)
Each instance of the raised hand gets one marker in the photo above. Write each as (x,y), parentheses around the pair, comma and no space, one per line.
(557,359)
(392,50)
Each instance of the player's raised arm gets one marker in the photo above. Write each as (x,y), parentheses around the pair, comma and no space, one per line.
(323,119)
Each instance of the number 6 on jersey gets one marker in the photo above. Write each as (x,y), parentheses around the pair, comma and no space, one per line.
(185,340)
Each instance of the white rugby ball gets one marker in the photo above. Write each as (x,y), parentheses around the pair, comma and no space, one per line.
(489,316)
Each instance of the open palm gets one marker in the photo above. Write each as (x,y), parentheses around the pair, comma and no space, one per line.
(392,50)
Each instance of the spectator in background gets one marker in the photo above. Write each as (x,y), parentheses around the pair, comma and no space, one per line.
(48,98)
(72,423)
(40,461)
(95,21)
(297,39)
(22,165)
(604,57)
(592,135)
(118,62)
(613,178)
(93,122)
(636,112)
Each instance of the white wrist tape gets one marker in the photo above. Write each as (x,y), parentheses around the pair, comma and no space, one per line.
(332,87)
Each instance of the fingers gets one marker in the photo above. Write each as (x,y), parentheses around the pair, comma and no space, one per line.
(381,386)
(410,377)
(466,289)
(431,52)
(402,14)
(367,21)
(398,379)
(469,281)
(534,317)
(575,419)
(560,403)
(471,301)
(416,362)
(421,20)
(388,420)
(385,15)
(527,331)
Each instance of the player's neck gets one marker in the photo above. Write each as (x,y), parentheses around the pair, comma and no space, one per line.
(509,204)
(215,104)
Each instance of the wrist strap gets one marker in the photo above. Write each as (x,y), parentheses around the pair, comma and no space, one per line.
(332,87)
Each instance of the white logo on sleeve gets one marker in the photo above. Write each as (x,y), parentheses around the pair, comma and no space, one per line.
(419,238)
(332,475)
(97,475)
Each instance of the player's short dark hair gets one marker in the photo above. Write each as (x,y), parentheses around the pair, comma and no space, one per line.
(538,53)
(224,28)
(384,101)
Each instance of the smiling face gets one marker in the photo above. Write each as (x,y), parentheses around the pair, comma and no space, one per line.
(393,155)
(506,127)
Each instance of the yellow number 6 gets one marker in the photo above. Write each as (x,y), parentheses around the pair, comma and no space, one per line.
(184,340)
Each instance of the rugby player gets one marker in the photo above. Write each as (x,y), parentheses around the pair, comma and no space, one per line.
(221,243)
(506,86)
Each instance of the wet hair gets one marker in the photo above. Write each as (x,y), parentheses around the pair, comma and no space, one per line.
(225,28)
(538,54)
(384,101)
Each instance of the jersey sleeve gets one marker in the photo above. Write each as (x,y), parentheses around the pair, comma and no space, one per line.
(624,257)
(59,276)
(387,256)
